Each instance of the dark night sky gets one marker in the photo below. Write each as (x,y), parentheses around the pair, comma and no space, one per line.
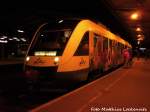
(29,14)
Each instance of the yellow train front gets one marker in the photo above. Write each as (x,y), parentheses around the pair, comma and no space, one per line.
(72,50)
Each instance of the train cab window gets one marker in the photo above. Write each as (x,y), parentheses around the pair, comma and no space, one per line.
(110,43)
(83,48)
(52,36)
(52,40)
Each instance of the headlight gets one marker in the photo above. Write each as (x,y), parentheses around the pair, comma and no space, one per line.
(27,58)
(56,59)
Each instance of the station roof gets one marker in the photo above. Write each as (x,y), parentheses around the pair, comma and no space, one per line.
(113,14)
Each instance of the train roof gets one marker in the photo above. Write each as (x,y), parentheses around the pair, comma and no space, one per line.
(94,26)
(103,31)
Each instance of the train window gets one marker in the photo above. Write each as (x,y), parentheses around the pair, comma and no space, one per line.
(105,43)
(98,44)
(120,47)
(83,48)
(113,43)
(95,39)
(110,43)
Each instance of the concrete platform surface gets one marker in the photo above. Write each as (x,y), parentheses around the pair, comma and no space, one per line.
(123,90)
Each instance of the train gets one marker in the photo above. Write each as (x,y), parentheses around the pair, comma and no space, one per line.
(72,50)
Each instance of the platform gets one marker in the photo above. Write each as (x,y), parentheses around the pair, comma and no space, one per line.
(13,61)
(125,89)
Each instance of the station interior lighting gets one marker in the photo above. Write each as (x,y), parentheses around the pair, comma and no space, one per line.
(20,31)
(60,21)
(138,42)
(140,39)
(10,39)
(15,38)
(3,41)
(142,48)
(134,16)
(138,29)
(23,39)
(139,35)
(3,37)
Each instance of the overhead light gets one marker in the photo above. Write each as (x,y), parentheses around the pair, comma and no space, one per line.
(138,42)
(138,29)
(10,39)
(140,39)
(3,37)
(142,48)
(3,41)
(134,16)
(20,31)
(15,38)
(139,35)
(23,39)
(60,21)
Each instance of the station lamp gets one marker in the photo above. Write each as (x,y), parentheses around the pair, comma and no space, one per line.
(138,29)
(139,35)
(140,39)
(3,41)
(134,16)
(20,31)
(138,42)
(60,21)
